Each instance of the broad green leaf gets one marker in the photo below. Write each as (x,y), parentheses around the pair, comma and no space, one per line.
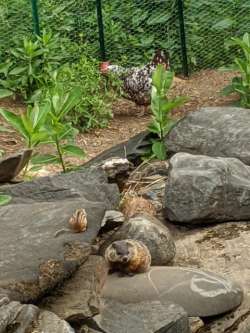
(4,68)
(242,65)
(5,93)
(154,127)
(229,89)
(223,24)
(168,80)
(66,132)
(71,100)
(44,159)
(162,79)
(56,103)
(73,150)
(4,199)
(155,103)
(27,123)
(246,39)
(17,70)
(40,137)
(159,150)
(171,105)
(168,126)
(158,76)
(40,114)
(15,121)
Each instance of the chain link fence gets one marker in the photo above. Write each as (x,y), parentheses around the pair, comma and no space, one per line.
(132,29)
(15,23)
(209,26)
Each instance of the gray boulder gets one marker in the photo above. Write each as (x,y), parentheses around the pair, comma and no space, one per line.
(37,249)
(20,315)
(207,189)
(22,318)
(200,293)
(213,131)
(222,248)
(79,297)
(48,322)
(143,317)
(12,165)
(89,183)
(112,219)
(151,232)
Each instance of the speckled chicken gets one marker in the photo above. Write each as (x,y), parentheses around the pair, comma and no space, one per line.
(137,80)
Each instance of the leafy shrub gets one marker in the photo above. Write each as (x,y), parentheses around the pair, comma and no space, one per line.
(28,72)
(161,106)
(45,123)
(94,109)
(28,67)
(241,84)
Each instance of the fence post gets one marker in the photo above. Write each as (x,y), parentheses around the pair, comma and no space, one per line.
(183,37)
(101,29)
(35,17)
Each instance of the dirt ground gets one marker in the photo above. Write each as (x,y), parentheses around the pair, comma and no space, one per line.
(202,89)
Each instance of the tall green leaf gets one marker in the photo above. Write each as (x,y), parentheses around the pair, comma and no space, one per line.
(15,121)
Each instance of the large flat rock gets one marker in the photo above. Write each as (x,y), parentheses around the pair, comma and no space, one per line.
(200,293)
(213,131)
(89,183)
(203,189)
(37,249)
(143,317)
(224,249)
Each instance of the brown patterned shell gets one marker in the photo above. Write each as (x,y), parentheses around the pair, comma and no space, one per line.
(78,221)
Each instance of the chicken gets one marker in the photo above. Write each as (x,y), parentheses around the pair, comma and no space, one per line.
(137,80)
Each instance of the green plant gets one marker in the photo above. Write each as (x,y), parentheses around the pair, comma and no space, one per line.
(59,103)
(241,84)
(4,199)
(45,123)
(94,107)
(30,125)
(29,66)
(161,106)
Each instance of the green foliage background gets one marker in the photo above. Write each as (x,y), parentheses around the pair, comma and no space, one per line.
(133,29)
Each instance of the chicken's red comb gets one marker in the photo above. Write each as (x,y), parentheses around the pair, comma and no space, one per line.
(104,66)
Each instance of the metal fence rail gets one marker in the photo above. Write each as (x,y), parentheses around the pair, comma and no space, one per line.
(193,32)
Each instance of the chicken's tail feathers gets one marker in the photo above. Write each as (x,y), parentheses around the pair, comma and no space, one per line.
(161,57)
